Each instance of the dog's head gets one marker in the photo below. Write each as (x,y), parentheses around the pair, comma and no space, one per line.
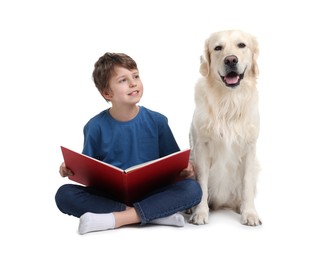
(230,56)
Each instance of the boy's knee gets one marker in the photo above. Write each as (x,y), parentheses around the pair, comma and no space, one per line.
(62,195)
(194,189)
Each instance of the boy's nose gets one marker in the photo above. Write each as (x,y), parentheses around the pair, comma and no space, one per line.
(133,84)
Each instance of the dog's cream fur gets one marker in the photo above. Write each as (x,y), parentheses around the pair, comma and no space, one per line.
(225,126)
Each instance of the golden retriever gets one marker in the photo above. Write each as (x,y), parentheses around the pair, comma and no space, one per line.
(225,126)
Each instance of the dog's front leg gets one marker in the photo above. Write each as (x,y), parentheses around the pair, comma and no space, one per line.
(200,213)
(249,214)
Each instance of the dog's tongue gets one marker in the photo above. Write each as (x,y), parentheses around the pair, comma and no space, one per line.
(231,80)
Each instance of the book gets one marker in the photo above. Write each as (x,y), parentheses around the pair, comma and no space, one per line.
(128,185)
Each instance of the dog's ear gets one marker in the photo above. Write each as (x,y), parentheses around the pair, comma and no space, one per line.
(254,68)
(205,61)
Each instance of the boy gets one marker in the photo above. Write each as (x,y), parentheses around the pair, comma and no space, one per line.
(125,135)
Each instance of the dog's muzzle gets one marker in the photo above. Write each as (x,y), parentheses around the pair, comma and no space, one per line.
(232,77)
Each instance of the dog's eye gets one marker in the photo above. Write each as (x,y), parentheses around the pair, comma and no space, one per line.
(241,45)
(218,48)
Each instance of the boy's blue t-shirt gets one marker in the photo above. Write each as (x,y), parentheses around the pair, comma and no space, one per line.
(124,144)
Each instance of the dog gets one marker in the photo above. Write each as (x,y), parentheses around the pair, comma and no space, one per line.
(225,126)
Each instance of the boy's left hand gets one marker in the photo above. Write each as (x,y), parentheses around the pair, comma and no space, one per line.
(188,172)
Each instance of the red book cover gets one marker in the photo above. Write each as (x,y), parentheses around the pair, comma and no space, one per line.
(127,185)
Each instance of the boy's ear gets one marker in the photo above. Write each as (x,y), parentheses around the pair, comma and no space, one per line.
(107,94)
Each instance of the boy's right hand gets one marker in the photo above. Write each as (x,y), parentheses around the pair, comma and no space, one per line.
(64,171)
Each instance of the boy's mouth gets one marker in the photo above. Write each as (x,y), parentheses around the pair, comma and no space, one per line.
(134,93)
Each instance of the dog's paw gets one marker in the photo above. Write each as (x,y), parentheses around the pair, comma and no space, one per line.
(250,218)
(199,218)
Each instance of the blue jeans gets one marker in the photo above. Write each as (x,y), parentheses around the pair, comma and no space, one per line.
(76,200)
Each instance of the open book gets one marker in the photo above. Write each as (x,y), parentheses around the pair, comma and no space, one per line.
(127,185)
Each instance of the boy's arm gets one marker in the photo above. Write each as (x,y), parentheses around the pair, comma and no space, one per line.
(167,142)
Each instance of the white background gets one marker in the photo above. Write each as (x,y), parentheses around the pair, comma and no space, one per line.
(47,54)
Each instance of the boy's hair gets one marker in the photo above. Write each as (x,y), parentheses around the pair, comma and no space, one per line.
(104,68)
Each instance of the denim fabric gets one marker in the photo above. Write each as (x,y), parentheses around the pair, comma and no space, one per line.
(76,200)
(177,197)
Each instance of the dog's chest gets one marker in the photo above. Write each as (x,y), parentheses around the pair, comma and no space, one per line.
(228,122)
(227,133)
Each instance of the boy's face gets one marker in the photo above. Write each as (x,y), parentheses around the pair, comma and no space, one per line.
(125,87)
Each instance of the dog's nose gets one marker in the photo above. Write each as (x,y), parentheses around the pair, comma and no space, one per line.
(231,61)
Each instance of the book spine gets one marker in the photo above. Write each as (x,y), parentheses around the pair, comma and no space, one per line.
(126,189)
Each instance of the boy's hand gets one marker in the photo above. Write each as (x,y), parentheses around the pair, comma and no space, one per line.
(64,171)
(188,172)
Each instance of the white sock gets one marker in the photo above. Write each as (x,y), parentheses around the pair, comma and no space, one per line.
(173,220)
(89,222)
